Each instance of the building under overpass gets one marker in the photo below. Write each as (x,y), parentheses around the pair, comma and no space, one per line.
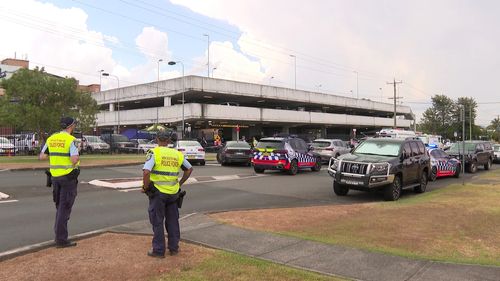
(258,110)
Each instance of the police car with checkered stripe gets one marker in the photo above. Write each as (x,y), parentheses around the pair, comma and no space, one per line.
(288,154)
(442,164)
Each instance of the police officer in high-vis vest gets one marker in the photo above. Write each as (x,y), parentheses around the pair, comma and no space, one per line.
(162,169)
(64,168)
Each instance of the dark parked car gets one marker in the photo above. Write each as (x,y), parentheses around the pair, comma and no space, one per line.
(476,153)
(386,164)
(119,143)
(235,152)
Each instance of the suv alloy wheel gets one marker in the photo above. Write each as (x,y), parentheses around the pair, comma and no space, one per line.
(392,192)
(487,166)
(472,167)
(422,186)
(433,175)
(339,189)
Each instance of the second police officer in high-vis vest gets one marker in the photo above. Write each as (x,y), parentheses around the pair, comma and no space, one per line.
(161,183)
(64,169)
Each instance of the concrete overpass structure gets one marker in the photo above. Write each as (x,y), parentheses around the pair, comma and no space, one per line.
(257,109)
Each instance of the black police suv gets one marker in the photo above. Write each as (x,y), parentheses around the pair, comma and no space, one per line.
(477,153)
(386,164)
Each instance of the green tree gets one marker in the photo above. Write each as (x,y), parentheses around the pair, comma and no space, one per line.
(35,101)
(494,127)
(470,107)
(436,119)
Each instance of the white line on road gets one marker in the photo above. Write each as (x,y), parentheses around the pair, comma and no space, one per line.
(187,216)
(8,201)
(4,170)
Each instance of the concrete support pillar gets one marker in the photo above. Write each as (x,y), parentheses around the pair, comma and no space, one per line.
(167,101)
(285,129)
(111,107)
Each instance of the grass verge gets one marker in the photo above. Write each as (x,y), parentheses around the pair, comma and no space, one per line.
(224,266)
(456,224)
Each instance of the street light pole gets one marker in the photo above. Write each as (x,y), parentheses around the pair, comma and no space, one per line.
(158,90)
(183,91)
(295,63)
(117,97)
(100,79)
(357,84)
(208,54)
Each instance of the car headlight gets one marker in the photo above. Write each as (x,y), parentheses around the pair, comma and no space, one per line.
(379,169)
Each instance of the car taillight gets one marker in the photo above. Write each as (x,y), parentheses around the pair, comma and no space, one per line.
(180,149)
(201,149)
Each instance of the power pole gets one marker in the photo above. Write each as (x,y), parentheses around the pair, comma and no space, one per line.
(470,123)
(462,115)
(395,98)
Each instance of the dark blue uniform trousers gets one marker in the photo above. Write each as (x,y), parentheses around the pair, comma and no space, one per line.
(64,194)
(163,208)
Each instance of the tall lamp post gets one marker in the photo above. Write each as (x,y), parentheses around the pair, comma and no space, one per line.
(295,63)
(208,54)
(117,97)
(100,78)
(158,89)
(183,90)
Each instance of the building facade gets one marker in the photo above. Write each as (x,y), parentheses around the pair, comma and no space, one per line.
(242,109)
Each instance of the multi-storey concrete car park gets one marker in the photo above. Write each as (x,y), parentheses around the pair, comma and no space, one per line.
(256,109)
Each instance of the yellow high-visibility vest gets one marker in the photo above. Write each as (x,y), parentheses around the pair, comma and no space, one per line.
(59,149)
(165,172)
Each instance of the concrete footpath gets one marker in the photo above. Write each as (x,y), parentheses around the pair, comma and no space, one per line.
(318,257)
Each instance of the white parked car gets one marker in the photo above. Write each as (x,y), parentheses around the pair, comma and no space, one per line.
(6,147)
(143,145)
(192,150)
(93,144)
(496,151)
(328,148)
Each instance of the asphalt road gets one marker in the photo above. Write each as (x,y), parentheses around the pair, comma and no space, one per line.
(30,219)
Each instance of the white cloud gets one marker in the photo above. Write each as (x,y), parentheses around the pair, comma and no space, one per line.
(153,44)
(436,47)
(56,38)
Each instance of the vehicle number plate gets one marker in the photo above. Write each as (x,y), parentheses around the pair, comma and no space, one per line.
(239,153)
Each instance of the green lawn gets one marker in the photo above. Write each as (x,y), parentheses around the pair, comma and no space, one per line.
(457,223)
(225,266)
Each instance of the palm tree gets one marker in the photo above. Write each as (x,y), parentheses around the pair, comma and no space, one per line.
(495,124)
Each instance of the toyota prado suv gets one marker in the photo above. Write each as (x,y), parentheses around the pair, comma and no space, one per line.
(385,164)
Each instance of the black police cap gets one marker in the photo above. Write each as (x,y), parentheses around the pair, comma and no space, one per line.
(67,121)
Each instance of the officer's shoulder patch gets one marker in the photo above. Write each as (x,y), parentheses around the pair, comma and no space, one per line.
(149,155)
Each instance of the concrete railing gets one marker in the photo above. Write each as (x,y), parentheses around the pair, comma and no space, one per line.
(171,114)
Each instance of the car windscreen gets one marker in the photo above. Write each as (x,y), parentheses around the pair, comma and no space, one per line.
(273,144)
(320,144)
(188,143)
(457,148)
(378,148)
(94,139)
(239,144)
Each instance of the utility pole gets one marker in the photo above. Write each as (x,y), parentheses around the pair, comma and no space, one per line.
(470,123)
(462,114)
(395,98)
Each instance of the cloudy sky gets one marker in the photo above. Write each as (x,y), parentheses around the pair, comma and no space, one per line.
(433,47)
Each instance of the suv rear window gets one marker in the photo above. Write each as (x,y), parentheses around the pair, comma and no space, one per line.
(320,143)
(274,144)
(414,149)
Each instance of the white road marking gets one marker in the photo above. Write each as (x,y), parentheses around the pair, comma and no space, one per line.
(4,170)
(216,179)
(8,201)
(4,196)
(187,216)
